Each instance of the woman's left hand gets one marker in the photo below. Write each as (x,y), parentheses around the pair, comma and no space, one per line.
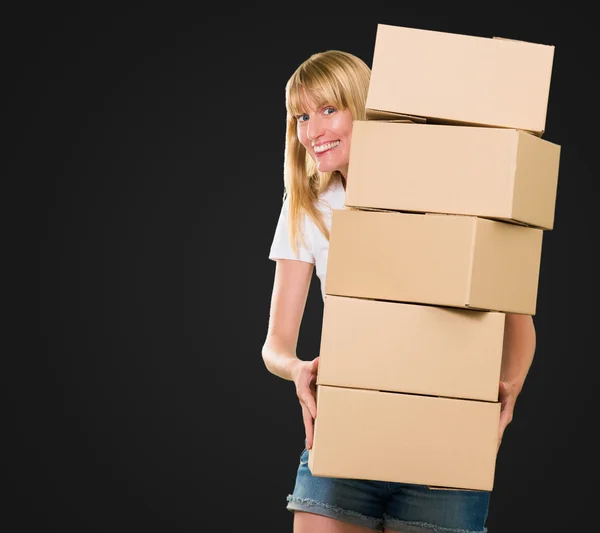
(508,396)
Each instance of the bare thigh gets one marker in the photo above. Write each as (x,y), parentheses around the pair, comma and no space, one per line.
(314,523)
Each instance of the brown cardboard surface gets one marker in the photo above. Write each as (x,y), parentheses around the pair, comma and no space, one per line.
(392,117)
(420,349)
(461,79)
(497,173)
(445,260)
(385,436)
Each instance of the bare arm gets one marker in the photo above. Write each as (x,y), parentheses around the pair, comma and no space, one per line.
(290,290)
(517,357)
(519,348)
(288,301)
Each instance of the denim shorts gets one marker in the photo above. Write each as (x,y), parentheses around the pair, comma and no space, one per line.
(377,505)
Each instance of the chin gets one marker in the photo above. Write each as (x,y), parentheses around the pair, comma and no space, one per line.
(327,168)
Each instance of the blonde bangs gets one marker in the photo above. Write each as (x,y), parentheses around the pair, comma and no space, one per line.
(312,85)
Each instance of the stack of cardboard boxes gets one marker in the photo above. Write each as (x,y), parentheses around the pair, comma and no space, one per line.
(450,188)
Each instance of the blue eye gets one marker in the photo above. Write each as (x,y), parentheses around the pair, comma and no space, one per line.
(302,118)
(329,110)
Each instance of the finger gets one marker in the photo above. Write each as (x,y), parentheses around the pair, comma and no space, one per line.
(308,427)
(501,433)
(308,400)
(504,419)
(312,405)
(502,391)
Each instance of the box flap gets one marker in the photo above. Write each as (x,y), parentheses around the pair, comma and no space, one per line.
(375,114)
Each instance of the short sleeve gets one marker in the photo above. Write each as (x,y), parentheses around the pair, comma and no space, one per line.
(281,248)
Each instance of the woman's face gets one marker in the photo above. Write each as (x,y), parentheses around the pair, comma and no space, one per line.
(325,132)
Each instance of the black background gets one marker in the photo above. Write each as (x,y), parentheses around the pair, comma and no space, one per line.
(151,145)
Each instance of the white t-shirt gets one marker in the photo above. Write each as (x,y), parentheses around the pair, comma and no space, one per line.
(316,250)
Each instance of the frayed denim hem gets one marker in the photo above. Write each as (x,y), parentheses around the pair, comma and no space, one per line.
(332,511)
(422,527)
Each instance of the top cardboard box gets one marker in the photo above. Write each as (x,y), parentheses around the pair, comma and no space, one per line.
(460,79)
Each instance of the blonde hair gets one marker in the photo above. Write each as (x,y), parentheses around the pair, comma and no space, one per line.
(332,78)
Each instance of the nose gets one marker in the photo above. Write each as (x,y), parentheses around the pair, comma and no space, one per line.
(315,127)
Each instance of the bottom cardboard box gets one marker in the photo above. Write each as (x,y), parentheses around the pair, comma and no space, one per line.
(406,438)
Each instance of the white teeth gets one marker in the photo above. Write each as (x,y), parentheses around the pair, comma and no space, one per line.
(326,146)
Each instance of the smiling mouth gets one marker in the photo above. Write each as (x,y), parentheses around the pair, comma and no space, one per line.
(325,147)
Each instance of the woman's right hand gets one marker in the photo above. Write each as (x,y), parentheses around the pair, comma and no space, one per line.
(305,378)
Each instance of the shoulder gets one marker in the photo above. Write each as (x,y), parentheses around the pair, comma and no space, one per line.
(332,198)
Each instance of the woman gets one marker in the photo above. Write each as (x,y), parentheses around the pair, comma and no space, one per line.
(323,97)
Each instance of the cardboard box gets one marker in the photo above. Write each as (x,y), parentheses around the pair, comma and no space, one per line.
(386,436)
(460,79)
(445,260)
(411,348)
(498,173)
